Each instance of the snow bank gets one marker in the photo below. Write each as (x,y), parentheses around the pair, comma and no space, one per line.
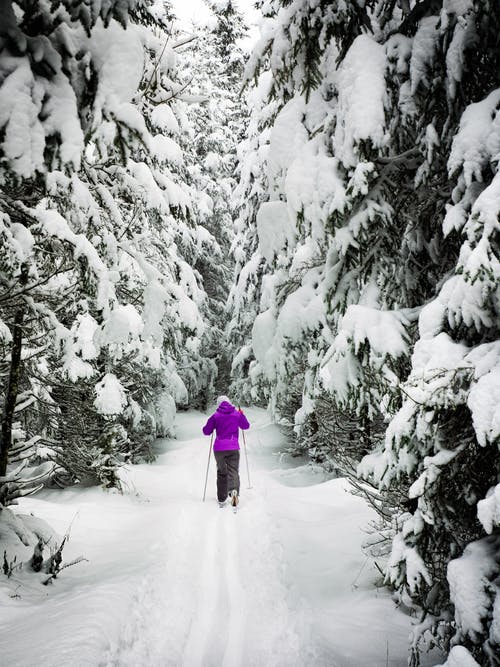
(287,139)
(164,409)
(340,370)
(383,330)
(488,509)
(19,534)
(361,94)
(314,188)
(123,324)
(484,404)
(164,119)
(478,138)
(302,312)
(423,51)
(469,577)
(459,656)
(110,395)
(275,228)
(263,331)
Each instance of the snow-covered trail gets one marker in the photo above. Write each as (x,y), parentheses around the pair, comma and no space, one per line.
(217,598)
(172,581)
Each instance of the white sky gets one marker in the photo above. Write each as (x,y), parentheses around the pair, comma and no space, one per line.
(190,11)
(195,11)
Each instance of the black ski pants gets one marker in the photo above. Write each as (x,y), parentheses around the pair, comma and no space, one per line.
(228,478)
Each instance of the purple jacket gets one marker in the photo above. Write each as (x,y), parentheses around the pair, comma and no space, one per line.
(226,421)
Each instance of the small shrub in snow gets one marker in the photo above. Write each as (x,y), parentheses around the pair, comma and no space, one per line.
(25,541)
(8,565)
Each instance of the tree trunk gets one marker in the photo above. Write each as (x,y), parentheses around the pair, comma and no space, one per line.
(13,382)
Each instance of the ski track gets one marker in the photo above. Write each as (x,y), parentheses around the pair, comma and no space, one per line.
(215,598)
(217,632)
(198,643)
(233,652)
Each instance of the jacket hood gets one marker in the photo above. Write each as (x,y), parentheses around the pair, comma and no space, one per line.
(225,407)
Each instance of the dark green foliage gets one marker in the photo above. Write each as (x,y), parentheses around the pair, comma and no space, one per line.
(409,257)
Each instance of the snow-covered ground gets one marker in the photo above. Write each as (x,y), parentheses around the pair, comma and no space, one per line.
(172,581)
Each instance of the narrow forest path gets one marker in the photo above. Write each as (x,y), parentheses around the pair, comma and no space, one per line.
(218,597)
(174,582)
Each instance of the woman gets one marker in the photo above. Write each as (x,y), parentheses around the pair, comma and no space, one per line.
(226,421)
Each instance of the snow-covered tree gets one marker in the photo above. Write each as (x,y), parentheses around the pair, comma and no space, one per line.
(152,242)
(244,297)
(308,191)
(368,291)
(41,130)
(443,442)
(101,305)
(214,69)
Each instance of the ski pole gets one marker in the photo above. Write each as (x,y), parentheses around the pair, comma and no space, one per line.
(208,464)
(246,457)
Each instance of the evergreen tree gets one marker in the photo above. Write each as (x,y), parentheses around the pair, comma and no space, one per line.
(41,130)
(443,442)
(214,68)
(371,276)
(99,233)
